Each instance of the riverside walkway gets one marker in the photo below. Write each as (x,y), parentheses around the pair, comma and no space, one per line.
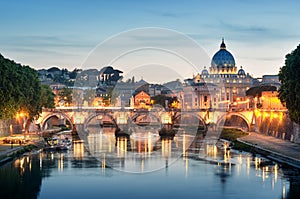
(7,150)
(275,148)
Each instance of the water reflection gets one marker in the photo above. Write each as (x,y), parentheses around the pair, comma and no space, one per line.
(21,179)
(143,151)
(209,167)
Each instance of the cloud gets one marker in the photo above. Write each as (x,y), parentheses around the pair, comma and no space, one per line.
(244,28)
(45,41)
(168,14)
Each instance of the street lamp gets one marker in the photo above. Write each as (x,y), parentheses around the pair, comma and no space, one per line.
(10,130)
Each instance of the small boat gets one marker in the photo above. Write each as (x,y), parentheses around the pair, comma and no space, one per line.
(55,144)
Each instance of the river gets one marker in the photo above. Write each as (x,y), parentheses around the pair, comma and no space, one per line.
(145,166)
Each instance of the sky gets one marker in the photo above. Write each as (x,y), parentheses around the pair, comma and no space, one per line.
(154,40)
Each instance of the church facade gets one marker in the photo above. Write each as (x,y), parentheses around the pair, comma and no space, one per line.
(223,84)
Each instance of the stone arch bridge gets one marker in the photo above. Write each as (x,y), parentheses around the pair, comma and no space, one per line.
(118,116)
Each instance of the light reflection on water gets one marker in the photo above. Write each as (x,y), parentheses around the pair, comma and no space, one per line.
(142,152)
(207,171)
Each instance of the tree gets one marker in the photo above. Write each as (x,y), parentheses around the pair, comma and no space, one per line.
(257,90)
(31,102)
(161,100)
(66,96)
(289,92)
(47,97)
(20,90)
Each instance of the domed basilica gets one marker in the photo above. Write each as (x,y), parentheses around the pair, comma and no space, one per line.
(222,86)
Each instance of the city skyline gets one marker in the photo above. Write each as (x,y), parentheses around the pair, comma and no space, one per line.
(47,34)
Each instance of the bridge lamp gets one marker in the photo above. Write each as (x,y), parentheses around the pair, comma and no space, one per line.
(10,129)
(266,114)
(122,118)
(166,119)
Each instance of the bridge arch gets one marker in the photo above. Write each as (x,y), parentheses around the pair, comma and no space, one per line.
(145,114)
(58,115)
(104,115)
(234,119)
(178,118)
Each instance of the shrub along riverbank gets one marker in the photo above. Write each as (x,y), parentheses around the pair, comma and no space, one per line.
(232,135)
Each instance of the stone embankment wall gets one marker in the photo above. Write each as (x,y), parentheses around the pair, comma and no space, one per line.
(4,127)
(296,133)
(9,126)
(277,124)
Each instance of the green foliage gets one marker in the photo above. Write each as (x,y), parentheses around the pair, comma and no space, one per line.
(161,100)
(47,97)
(66,95)
(111,97)
(257,90)
(289,92)
(20,90)
(232,134)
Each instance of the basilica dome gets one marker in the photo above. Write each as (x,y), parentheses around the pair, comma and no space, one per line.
(241,72)
(223,58)
(204,71)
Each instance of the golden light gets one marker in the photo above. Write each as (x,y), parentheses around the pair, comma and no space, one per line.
(21,114)
(266,114)
(257,113)
(174,104)
(166,119)
(10,129)
(281,116)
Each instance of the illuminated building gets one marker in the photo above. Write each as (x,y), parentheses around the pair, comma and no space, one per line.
(141,99)
(226,84)
(270,100)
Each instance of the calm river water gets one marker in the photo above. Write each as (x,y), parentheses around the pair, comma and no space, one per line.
(146,166)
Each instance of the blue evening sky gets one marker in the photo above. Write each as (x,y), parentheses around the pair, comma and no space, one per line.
(259,33)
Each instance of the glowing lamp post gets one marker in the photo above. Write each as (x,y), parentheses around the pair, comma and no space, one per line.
(166,121)
(10,130)
(122,129)
(122,119)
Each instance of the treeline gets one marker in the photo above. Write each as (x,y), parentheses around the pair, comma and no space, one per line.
(21,91)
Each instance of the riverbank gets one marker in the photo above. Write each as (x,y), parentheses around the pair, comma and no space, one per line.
(279,150)
(10,151)
(282,151)
(8,154)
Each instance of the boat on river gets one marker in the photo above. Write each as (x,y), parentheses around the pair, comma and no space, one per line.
(59,142)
